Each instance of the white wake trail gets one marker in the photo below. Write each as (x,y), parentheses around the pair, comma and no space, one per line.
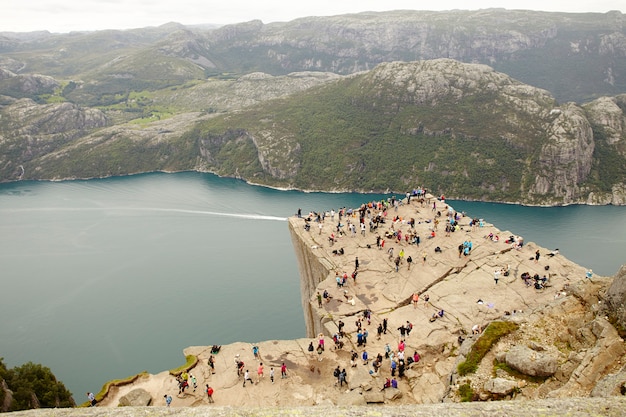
(156,209)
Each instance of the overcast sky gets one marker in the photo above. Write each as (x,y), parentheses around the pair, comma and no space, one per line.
(69,15)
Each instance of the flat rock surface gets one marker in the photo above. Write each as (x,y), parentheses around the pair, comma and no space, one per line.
(464,287)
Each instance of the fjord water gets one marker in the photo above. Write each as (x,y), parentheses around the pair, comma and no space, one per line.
(105,278)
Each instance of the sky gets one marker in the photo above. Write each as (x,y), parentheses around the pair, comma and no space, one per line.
(76,15)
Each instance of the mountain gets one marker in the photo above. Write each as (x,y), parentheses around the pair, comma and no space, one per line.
(353,102)
(575,56)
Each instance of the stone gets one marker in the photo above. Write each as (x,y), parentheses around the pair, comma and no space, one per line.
(351,398)
(611,385)
(530,362)
(500,386)
(374,397)
(392,394)
(136,398)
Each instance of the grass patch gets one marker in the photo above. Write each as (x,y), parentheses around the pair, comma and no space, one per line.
(490,336)
(192,360)
(114,383)
(466,393)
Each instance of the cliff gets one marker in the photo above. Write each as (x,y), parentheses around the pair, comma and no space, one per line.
(560,326)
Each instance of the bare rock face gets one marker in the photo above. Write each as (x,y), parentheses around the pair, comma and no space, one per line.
(615,299)
(500,386)
(611,385)
(531,362)
(136,398)
(566,157)
(606,112)
(7,396)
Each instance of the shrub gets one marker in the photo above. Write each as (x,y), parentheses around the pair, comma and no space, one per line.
(466,393)
(490,336)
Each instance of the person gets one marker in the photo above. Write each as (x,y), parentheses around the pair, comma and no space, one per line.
(311,348)
(182,385)
(476,329)
(209,393)
(92,399)
(402,330)
(359,337)
(387,350)
(319,299)
(401,367)
(255,351)
(394,365)
(379,331)
(356,263)
(320,350)
(496,275)
(212,363)
(342,377)
(426,298)
(283,370)
(408,328)
(336,373)
(553,253)
(168,399)
(365,357)
(272,374)
(259,373)
(194,381)
(589,274)
(385,325)
(394,383)
(397,262)
(387,384)
(246,377)
(537,255)
(409,261)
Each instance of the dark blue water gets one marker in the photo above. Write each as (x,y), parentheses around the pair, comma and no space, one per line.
(102,279)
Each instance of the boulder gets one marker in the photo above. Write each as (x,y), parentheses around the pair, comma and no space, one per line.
(500,386)
(611,385)
(374,397)
(428,388)
(136,398)
(351,398)
(531,362)
(392,394)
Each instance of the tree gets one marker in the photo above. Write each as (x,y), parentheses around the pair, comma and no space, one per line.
(33,386)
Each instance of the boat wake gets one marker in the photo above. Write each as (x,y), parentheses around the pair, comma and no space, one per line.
(248,216)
